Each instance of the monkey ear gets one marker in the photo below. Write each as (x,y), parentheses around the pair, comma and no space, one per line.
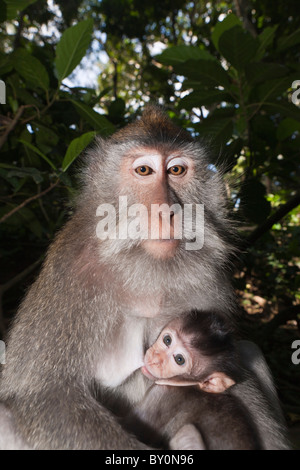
(217,382)
(175,382)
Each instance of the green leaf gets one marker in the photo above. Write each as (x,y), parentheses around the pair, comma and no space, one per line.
(5,64)
(72,47)
(257,72)
(229,22)
(265,39)
(217,128)
(204,97)
(116,110)
(272,89)
(284,108)
(46,139)
(238,47)
(286,42)
(253,202)
(230,154)
(31,69)
(14,6)
(96,120)
(207,72)
(34,173)
(180,54)
(287,127)
(3,11)
(76,147)
(38,152)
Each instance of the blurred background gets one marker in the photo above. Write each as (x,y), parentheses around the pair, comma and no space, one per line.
(228,71)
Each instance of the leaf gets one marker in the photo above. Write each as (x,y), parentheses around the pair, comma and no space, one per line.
(230,154)
(287,127)
(180,54)
(14,6)
(3,11)
(283,108)
(265,39)
(34,173)
(238,47)
(30,68)
(116,110)
(207,72)
(272,89)
(229,22)
(216,127)
(72,47)
(286,42)
(253,202)
(38,152)
(96,120)
(257,72)
(75,148)
(204,97)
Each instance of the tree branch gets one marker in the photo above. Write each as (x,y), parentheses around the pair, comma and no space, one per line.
(27,201)
(282,211)
(11,125)
(243,9)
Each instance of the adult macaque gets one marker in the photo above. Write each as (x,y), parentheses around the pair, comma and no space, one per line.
(83,327)
(194,350)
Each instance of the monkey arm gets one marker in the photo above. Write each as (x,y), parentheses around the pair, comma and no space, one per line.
(259,396)
(85,425)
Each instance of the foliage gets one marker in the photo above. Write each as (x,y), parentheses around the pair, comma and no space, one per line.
(224,75)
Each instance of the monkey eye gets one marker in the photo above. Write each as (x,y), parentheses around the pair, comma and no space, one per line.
(176,170)
(179,359)
(144,170)
(167,340)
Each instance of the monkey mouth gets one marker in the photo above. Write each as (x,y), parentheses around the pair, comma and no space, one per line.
(147,374)
(161,248)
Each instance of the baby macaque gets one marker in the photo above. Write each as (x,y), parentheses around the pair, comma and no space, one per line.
(183,355)
(196,351)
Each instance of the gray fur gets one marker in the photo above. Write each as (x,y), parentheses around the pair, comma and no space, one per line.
(89,291)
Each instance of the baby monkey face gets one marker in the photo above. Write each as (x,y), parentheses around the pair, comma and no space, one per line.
(168,357)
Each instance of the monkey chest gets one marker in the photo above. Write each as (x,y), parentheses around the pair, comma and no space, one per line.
(122,354)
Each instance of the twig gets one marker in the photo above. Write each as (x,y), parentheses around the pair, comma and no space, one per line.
(27,201)
(283,210)
(12,125)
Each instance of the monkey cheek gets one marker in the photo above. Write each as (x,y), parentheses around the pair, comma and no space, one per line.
(161,249)
(148,374)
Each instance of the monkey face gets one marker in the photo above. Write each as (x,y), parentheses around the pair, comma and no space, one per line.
(155,178)
(168,357)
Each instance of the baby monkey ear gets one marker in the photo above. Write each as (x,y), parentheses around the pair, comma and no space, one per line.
(217,382)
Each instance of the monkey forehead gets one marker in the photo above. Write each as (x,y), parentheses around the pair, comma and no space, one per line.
(158,157)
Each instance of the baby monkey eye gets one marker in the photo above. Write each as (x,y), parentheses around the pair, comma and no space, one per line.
(177,170)
(167,340)
(179,359)
(143,170)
